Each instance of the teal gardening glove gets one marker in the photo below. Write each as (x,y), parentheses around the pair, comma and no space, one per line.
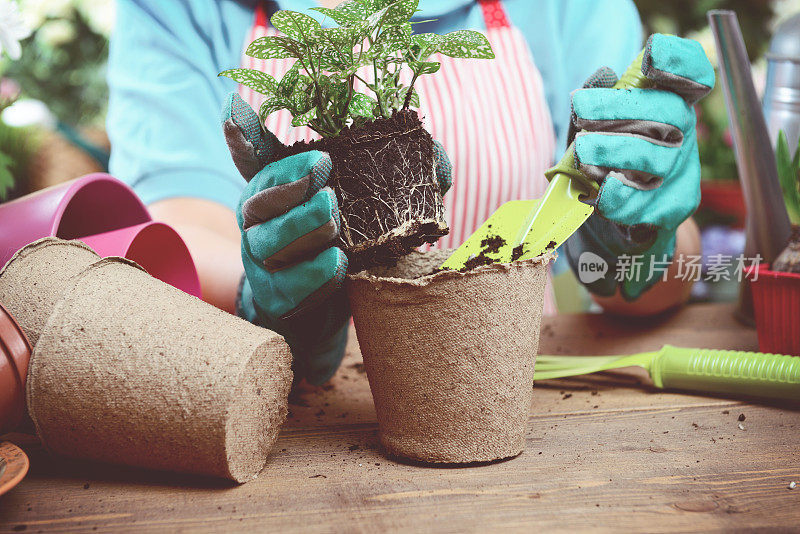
(289,221)
(640,146)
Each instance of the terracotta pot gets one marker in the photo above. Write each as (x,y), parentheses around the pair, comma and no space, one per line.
(450,355)
(776,305)
(15,353)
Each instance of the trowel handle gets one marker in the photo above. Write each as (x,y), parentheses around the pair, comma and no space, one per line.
(632,78)
(727,371)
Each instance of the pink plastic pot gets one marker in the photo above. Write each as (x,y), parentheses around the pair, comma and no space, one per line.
(776,306)
(111,215)
(15,353)
(156,247)
(89,205)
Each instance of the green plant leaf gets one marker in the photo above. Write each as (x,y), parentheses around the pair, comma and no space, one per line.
(6,178)
(254,79)
(465,44)
(362,105)
(424,67)
(274,47)
(355,8)
(393,14)
(305,118)
(286,85)
(787,176)
(297,25)
(270,106)
(796,159)
(338,16)
(391,40)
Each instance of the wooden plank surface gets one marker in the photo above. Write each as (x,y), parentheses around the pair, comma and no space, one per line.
(606,452)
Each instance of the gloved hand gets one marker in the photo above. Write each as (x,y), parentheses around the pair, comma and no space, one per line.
(289,220)
(640,146)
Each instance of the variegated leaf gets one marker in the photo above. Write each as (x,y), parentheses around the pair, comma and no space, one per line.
(340,17)
(355,8)
(362,105)
(297,25)
(287,83)
(399,12)
(274,47)
(305,118)
(270,106)
(465,44)
(254,79)
(425,67)
(391,40)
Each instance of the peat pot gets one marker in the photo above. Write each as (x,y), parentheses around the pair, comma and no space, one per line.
(450,355)
(129,370)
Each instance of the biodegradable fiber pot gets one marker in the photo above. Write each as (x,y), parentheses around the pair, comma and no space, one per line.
(385,180)
(130,370)
(450,355)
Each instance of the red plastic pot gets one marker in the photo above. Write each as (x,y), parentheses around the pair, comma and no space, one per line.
(15,353)
(776,306)
(724,197)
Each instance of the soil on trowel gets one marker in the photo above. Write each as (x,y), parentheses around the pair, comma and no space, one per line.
(383,176)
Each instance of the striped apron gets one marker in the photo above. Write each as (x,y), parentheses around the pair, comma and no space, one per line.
(490,115)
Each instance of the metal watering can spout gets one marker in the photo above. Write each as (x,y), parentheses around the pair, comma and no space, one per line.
(767,227)
(782,93)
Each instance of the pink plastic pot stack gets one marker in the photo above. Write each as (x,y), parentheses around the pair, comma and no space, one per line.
(105,214)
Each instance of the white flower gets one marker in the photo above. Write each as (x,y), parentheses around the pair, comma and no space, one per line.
(12,29)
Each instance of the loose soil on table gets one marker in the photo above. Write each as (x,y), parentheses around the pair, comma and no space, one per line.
(384,178)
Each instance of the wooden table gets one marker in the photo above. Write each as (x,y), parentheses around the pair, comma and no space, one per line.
(604,452)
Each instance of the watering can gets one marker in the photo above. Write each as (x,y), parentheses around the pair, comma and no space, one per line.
(767,227)
(781,101)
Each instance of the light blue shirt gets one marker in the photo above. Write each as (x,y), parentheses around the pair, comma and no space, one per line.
(166,97)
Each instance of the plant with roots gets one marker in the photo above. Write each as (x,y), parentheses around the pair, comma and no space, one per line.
(372,43)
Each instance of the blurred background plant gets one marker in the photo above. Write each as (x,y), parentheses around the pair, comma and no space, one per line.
(59,115)
(721,214)
(16,144)
(63,61)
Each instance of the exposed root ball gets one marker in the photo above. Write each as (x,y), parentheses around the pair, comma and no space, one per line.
(385,181)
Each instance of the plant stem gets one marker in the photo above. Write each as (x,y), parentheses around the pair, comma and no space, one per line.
(410,91)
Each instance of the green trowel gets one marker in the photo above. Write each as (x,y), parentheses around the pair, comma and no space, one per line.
(755,374)
(529,228)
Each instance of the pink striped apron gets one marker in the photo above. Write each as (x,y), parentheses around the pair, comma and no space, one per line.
(491,116)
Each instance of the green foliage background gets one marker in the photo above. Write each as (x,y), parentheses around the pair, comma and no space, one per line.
(69,77)
(688,19)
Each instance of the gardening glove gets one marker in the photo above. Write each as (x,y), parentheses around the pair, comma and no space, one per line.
(640,147)
(288,219)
